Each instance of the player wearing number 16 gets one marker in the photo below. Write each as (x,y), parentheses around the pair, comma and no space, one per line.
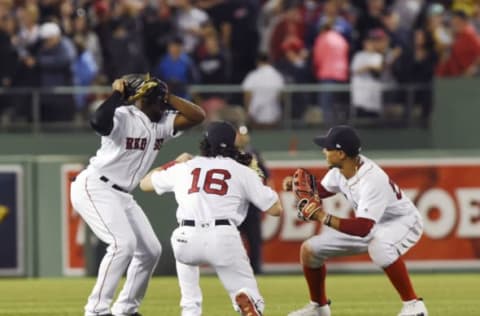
(386,223)
(213,192)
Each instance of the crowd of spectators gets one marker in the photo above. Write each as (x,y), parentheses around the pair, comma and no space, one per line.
(261,45)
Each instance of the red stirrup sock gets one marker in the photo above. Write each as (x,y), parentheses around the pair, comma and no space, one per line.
(398,275)
(316,284)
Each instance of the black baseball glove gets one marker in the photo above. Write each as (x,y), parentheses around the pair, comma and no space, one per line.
(141,86)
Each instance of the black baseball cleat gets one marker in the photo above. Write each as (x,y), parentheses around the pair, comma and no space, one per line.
(136,314)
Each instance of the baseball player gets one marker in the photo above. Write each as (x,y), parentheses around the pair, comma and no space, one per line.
(132,135)
(386,223)
(213,191)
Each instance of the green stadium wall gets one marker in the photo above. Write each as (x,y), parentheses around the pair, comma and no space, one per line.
(454,132)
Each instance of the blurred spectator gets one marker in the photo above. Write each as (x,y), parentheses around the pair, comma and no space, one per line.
(55,62)
(49,9)
(422,72)
(369,19)
(294,68)
(188,21)
(290,25)
(251,227)
(158,27)
(437,31)
(176,68)
(81,26)
(241,36)
(211,61)
(213,69)
(123,42)
(464,56)
(66,14)
(269,16)
(391,62)
(331,15)
(408,11)
(28,34)
(8,59)
(330,66)
(400,36)
(85,70)
(366,87)
(262,88)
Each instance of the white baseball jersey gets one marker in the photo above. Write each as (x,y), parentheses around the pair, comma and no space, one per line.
(127,154)
(98,195)
(373,195)
(214,188)
(371,192)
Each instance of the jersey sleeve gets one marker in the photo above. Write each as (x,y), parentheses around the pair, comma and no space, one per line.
(169,125)
(330,181)
(262,196)
(163,180)
(120,121)
(248,83)
(373,200)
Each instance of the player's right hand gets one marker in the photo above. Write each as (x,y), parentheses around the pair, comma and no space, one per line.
(287,183)
(119,85)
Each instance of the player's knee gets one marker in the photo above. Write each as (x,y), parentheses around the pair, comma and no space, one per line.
(382,253)
(155,251)
(308,257)
(126,246)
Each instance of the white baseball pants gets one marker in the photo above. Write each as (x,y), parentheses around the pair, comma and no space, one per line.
(116,219)
(221,247)
(385,244)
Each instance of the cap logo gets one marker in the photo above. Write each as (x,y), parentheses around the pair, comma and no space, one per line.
(338,145)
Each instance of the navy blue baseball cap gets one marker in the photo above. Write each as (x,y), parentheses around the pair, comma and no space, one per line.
(341,137)
(221,134)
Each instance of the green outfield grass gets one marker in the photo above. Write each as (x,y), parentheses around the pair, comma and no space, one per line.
(352,295)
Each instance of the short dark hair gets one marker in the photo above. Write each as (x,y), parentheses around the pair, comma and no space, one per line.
(207,150)
(175,39)
(461,14)
(262,58)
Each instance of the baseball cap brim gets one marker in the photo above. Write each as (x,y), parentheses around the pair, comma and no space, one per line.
(324,142)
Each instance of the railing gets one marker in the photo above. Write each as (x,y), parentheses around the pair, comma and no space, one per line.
(292,117)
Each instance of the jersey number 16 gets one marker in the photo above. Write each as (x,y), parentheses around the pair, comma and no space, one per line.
(214,183)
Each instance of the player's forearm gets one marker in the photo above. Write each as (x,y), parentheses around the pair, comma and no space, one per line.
(276,209)
(191,111)
(359,226)
(102,120)
(146,184)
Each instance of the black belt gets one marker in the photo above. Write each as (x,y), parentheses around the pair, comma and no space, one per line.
(116,187)
(191,222)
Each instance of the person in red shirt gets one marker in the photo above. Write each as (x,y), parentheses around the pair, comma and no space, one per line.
(464,56)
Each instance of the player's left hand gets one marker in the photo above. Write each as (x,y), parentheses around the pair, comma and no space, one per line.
(254,166)
(310,209)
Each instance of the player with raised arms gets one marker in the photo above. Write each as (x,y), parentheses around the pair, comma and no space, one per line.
(134,122)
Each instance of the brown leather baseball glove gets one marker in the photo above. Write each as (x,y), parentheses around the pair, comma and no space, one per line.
(305,189)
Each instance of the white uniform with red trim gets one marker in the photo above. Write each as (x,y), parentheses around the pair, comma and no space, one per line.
(374,196)
(100,194)
(213,196)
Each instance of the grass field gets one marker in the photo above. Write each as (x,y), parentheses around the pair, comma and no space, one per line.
(352,295)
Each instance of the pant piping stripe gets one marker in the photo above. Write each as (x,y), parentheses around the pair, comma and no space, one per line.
(114,243)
